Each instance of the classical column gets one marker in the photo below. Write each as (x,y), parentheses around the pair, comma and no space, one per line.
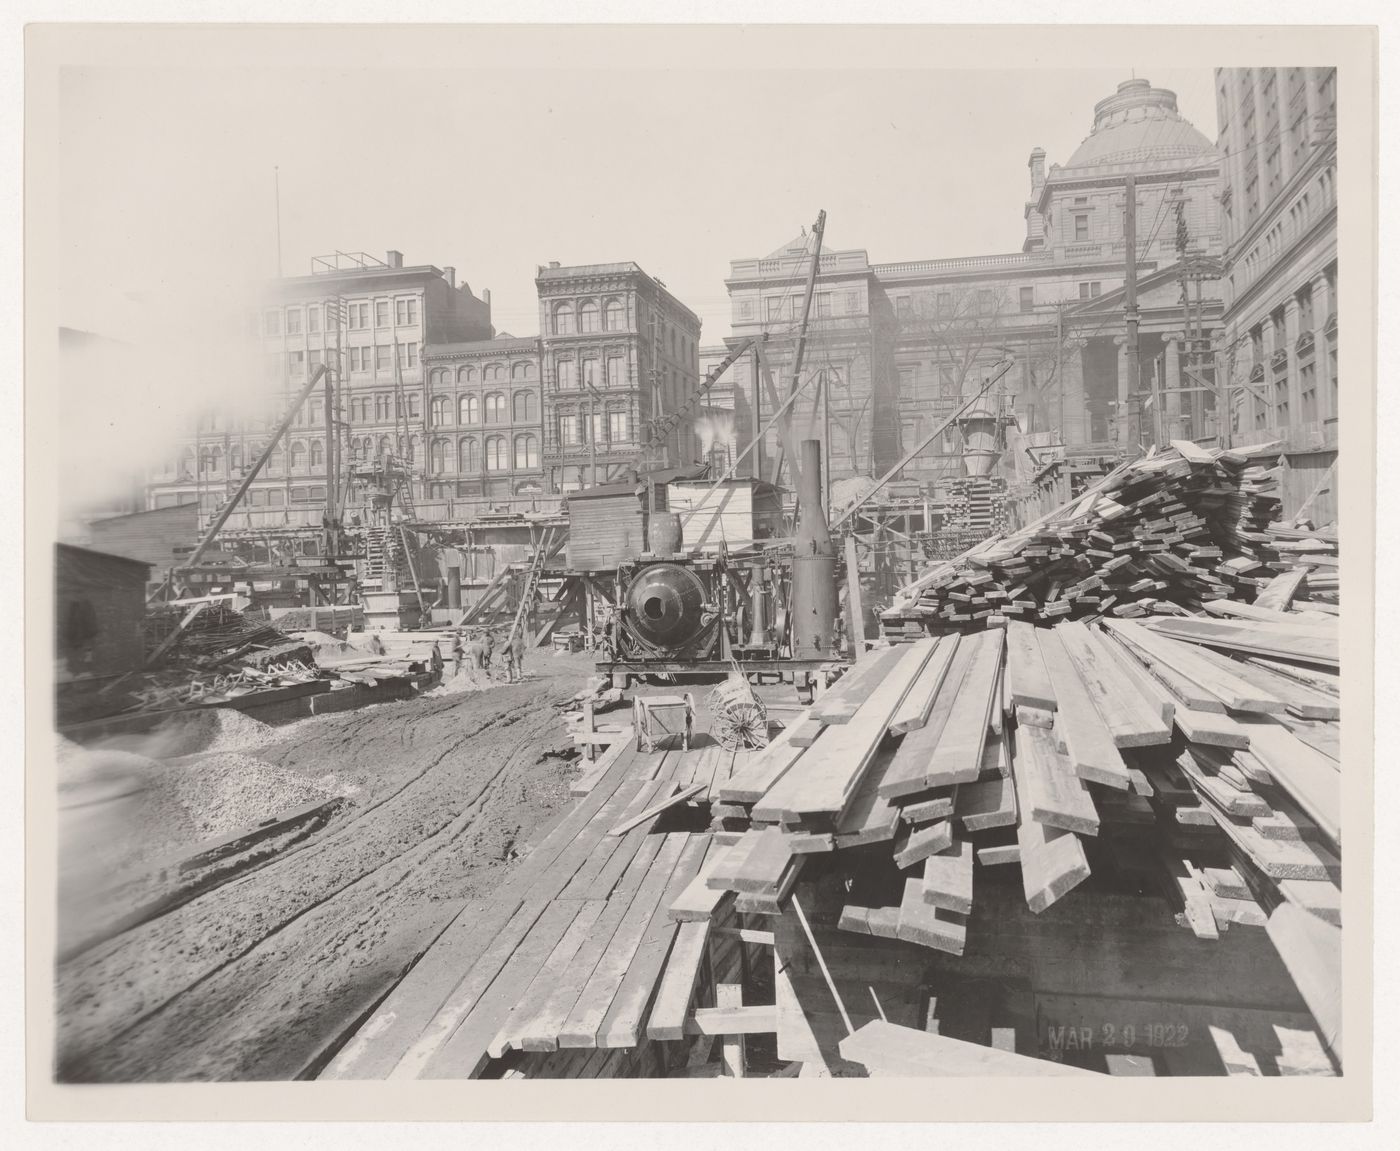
(1072,393)
(1265,383)
(1322,308)
(1125,390)
(1291,320)
(1171,380)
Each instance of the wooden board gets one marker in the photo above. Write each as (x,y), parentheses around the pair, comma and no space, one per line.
(1047,788)
(1311,779)
(1028,680)
(999,853)
(906,775)
(889,1049)
(1300,700)
(948,878)
(1312,952)
(927,810)
(805,734)
(850,693)
(957,758)
(921,922)
(913,713)
(763,867)
(1166,649)
(699,901)
(1311,645)
(671,798)
(869,817)
(1124,663)
(1088,742)
(1131,720)
(986,803)
(753,782)
(913,846)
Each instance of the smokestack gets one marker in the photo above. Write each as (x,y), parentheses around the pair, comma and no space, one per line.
(394,259)
(813,565)
(486,295)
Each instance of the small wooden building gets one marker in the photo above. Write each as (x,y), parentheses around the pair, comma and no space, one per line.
(161,537)
(99,605)
(608,522)
(736,513)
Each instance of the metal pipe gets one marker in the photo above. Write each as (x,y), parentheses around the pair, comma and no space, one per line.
(1130,308)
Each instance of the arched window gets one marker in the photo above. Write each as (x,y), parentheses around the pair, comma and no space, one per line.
(438,456)
(520,370)
(496,454)
(274,461)
(527,452)
(613,316)
(465,375)
(383,447)
(525,408)
(495,408)
(493,372)
(468,456)
(588,317)
(415,450)
(318,453)
(439,377)
(442,410)
(235,458)
(184,466)
(298,455)
(469,410)
(563,319)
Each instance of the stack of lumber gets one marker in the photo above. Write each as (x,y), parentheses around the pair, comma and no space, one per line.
(977,504)
(1169,533)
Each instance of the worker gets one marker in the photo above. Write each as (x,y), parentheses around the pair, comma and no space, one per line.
(517,652)
(457,653)
(376,645)
(504,655)
(479,654)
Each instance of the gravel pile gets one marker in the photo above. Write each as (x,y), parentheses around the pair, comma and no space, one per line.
(224,791)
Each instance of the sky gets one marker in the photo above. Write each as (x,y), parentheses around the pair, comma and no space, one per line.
(169,204)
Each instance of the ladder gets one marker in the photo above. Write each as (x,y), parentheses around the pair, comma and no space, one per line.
(532,582)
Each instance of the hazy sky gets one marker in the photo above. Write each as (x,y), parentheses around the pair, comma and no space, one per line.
(168,175)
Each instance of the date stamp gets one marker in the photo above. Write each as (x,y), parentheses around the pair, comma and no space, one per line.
(1116,1036)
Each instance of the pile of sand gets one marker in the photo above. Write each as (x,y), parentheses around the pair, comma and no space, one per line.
(225,791)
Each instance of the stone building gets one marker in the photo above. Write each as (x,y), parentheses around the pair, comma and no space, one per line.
(485,407)
(369,320)
(1279,199)
(619,353)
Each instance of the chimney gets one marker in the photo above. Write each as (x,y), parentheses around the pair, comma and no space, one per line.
(1037,167)
(450,275)
(553,263)
(486,296)
(394,259)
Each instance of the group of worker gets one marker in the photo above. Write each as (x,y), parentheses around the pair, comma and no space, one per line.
(487,651)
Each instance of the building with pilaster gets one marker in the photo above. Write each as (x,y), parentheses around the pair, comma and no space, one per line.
(619,353)
(1279,200)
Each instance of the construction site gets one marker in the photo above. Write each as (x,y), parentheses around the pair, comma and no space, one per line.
(1034,771)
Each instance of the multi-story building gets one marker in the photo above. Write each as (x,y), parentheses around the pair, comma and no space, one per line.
(1279,200)
(619,354)
(901,342)
(368,320)
(485,418)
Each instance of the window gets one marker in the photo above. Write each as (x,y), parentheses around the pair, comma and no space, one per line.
(313,318)
(525,408)
(493,372)
(296,365)
(986,301)
(564,374)
(775,308)
(1081,229)
(823,304)
(441,410)
(614,316)
(359,316)
(318,453)
(853,301)
(468,456)
(408,355)
(275,460)
(293,321)
(466,375)
(298,455)
(568,429)
(614,371)
(272,324)
(406,312)
(1027,299)
(590,372)
(1305,311)
(908,383)
(360,359)
(617,427)
(495,408)
(1084,291)
(527,452)
(276,498)
(438,377)
(383,408)
(381,313)
(563,319)
(588,317)
(316,358)
(1307,387)
(945,304)
(469,410)
(903,308)
(437,456)
(496,454)
(413,407)
(520,371)
(381,358)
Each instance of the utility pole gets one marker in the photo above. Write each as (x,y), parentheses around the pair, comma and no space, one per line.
(1130,308)
(826,441)
(817,229)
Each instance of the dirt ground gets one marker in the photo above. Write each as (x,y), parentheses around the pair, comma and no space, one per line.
(259,977)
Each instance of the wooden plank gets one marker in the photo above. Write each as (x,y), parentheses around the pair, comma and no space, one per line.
(987,803)
(1312,952)
(887,1048)
(921,922)
(1052,863)
(763,867)
(721,876)
(734,1020)
(912,846)
(581,1027)
(927,810)
(1130,719)
(1028,680)
(677,986)
(1277,858)
(1213,728)
(1193,453)
(672,797)
(1047,788)
(1299,699)
(948,878)
(832,770)
(1312,645)
(1321,737)
(1204,774)
(1184,691)
(1229,689)
(1279,592)
(856,686)
(1122,662)
(870,817)
(1089,744)
(805,734)
(999,853)
(730,996)
(913,713)
(622,1025)
(906,774)
(763,770)
(958,756)
(1316,678)
(1310,778)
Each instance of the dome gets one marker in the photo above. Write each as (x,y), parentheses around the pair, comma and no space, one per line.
(1139,124)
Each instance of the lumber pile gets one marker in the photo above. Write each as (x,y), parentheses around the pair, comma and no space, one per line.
(977,504)
(1169,533)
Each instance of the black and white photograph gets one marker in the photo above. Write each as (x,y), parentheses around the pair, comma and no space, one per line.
(708,555)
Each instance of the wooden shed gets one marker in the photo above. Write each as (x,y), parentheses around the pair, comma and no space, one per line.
(99,605)
(735,513)
(608,522)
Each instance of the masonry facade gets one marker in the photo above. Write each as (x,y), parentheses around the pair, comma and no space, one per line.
(1279,199)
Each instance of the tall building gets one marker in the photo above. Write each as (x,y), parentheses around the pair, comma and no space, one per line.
(904,341)
(620,353)
(368,320)
(1278,137)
